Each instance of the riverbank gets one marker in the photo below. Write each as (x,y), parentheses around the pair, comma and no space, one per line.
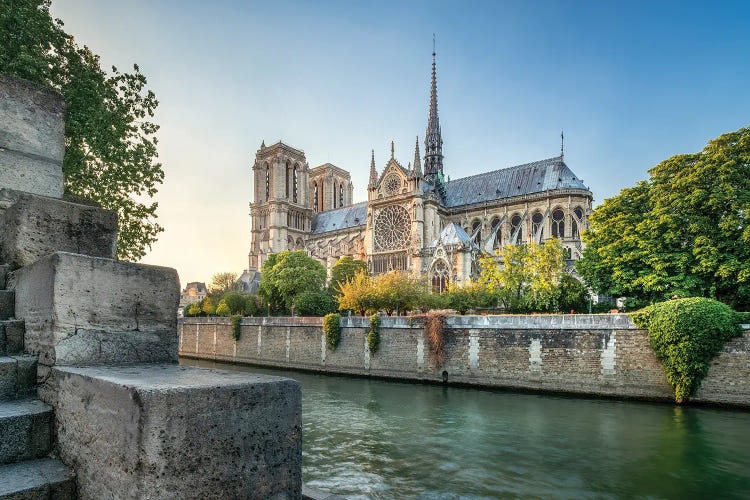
(593,355)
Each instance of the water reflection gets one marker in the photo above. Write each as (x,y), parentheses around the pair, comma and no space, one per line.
(375,439)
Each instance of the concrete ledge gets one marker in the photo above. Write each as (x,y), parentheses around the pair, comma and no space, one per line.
(169,431)
(32,140)
(87,311)
(34,226)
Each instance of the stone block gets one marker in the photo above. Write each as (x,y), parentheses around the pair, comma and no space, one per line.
(11,336)
(87,310)
(32,227)
(32,137)
(34,479)
(25,430)
(6,304)
(170,431)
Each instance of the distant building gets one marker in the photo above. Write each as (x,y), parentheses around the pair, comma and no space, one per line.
(415,218)
(195,291)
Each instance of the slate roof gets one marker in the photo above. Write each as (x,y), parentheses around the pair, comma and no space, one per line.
(340,218)
(520,180)
(453,234)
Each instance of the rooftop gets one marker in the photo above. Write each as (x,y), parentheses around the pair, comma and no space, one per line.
(340,218)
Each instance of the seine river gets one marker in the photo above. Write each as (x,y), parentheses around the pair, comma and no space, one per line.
(374,439)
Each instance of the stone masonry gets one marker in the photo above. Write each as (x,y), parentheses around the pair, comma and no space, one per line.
(101,335)
(599,355)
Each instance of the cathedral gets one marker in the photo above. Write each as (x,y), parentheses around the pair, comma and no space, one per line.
(415,218)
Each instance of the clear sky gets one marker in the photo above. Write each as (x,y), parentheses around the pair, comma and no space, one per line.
(631,83)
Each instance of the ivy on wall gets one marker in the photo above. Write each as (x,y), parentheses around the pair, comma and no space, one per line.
(332,330)
(373,336)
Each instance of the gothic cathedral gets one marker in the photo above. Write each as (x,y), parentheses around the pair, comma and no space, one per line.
(414,219)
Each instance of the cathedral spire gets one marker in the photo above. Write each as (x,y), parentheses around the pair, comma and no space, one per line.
(433,141)
(417,170)
(373,171)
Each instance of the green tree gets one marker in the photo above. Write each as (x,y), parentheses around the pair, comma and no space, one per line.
(573,295)
(288,274)
(344,270)
(222,283)
(357,294)
(315,303)
(397,291)
(110,140)
(684,232)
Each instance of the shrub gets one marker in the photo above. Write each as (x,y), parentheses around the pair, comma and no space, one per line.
(235,301)
(208,307)
(373,336)
(253,306)
(573,295)
(743,318)
(236,322)
(193,309)
(332,329)
(223,309)
(686,334)
(318,303)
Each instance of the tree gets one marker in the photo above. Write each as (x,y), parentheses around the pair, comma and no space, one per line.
(222,283)
(573,295)
(397,291)
(344,270)
(110,142)
(684,232)
(357,294)
(529,277)
(288,274)
(315,303)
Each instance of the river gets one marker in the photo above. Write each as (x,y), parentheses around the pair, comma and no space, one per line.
(377,439)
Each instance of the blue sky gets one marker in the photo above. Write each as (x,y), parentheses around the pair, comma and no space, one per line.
(631,83)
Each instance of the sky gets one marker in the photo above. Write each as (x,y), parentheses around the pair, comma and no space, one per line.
(630,83)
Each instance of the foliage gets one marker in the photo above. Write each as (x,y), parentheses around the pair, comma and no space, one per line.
(573,295)
(222,309)
(428,301)
(315,303)
(529,277)
(686,334)
(222,283)
(357,294)
(684,232)
(208,306)
(236,302)
(463,298)
(236,322)
(288,274)
(332,329)
(193,309)
(373,336)
(397,291)
(344,270)
(743,318)
(110,142)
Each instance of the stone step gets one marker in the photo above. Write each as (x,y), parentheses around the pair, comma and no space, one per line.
(25,430)
(4,270)
(11,336)
(37,479)
(17,376)
(7,304)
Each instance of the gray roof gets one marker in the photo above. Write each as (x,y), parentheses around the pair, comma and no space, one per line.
(520,180)
(453,234)
(340,218)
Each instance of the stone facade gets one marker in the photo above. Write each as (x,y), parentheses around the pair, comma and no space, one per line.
(414,219)
(600,355)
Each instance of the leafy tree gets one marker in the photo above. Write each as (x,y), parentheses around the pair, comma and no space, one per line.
(573,294)
(194,309)
(208,306)
(344,270)
(528,278)
(397,291)
(110,142)
(684,232)
(222,309)
(222,283)
(315,303)
(357,294)
(236,301)
(462,298)
(288,274)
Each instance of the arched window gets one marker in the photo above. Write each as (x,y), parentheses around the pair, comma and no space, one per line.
(515,230)
(315,191)
(476,232)
(577,217)
(286,170)
(341,196)
(558,223)
(268,183)
(536,226)
(294,187)
(440,276)
(497,241)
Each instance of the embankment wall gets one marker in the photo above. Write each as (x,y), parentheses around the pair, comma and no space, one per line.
(602,355)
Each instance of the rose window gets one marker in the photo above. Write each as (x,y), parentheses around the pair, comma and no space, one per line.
(392,228)
(392,184)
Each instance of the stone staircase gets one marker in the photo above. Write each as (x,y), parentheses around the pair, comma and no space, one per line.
(26,423)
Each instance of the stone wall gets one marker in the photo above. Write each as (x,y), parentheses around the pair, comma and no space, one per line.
(602,355)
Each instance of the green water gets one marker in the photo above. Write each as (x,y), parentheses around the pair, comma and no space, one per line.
(374,439)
